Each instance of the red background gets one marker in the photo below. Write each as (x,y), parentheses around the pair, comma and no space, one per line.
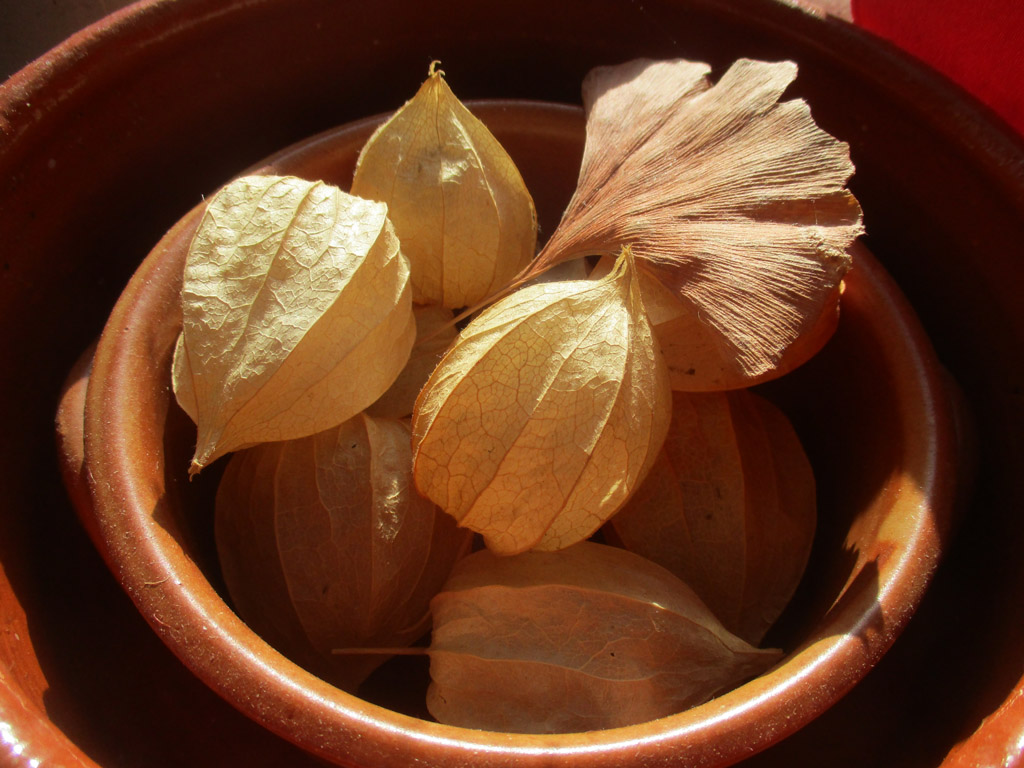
(979,45)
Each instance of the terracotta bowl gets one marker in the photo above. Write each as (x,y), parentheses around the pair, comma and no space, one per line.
(109,138)
(871,410)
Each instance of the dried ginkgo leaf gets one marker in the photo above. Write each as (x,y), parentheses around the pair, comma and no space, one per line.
(733,200)
(458,203)
(435,331)
(545,414)
(586,638)
(729,507)
(296,313)
(696,363)
(324,543)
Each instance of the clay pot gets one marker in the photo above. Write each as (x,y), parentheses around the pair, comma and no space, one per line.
(111,137)
(871,410)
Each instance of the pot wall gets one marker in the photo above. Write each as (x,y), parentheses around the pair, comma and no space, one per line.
(107,140)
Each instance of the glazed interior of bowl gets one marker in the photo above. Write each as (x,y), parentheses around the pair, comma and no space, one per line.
(870,410)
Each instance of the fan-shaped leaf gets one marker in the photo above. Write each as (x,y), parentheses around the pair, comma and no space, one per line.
(731,199)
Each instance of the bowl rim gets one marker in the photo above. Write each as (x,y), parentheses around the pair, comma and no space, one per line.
(341,727)
(997,154)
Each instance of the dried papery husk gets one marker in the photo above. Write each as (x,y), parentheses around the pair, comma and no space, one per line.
(729,507)
(435,332)
(459,205)
(324,543)
(181,380)
(587,638)
(734,201)
(297,313)
(545,414)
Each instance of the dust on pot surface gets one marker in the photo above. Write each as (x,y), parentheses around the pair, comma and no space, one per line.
(881,443)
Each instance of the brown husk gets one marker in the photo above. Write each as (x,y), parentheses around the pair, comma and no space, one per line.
(324,543)
(729,507)
(586,638)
